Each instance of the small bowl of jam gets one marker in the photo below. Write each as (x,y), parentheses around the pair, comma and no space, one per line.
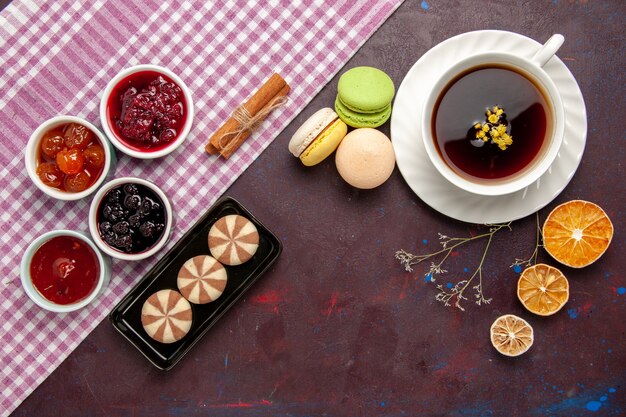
(146,111)
(130,218)
(68,158)
(63,271)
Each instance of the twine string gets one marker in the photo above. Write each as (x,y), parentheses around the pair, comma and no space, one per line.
(247,122)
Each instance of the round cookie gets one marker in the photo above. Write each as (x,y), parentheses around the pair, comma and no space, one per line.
(365,158)
(166,316)
(358,120)
(309,130)
(365,90)
(201,279)
(318,137)
(325,143)
(233,240)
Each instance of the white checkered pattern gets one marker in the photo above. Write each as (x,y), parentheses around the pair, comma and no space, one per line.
(56,58)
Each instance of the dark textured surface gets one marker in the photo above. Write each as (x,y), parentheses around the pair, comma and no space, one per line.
(337,327)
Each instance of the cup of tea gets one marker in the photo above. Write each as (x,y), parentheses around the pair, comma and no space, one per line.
(493,122)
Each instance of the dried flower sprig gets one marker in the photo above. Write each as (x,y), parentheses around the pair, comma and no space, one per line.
(456,293)
(519,264)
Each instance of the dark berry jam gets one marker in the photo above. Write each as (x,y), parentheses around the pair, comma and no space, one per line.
(147,110)
(64,270)
(131,218)
(71,158)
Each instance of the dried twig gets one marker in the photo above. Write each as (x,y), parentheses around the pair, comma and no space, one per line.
(456,293)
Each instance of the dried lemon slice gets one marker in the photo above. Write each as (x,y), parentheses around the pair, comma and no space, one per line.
(511,335)
(542,289)
(577,233)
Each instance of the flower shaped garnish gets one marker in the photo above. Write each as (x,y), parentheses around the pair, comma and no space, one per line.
(494,130)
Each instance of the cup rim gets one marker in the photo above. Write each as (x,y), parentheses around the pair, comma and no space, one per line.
(39,299)
(31,160)
(93,224)
(119,144)
(533,173)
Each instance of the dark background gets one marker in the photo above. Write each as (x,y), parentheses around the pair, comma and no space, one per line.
(337,327)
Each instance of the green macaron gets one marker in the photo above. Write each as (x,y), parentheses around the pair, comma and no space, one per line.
(356,119)
(365,90)
(364,97)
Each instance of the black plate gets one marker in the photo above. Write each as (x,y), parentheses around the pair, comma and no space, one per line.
(126,316)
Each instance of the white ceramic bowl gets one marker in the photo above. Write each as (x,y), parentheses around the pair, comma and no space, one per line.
(31,158)
(41,301)
(93,223)
(107,122)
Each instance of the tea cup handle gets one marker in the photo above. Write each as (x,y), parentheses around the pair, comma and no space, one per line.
(548,50)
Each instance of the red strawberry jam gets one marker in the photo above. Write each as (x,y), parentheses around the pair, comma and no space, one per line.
(64,270)
(147,110)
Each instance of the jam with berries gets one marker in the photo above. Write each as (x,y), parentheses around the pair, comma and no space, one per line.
(147,111)
(70,158)
(131,218)
(64,270)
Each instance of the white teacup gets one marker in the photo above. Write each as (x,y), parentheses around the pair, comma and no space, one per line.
(530,68)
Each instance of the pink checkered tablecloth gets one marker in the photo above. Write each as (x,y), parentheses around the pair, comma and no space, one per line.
(56,58)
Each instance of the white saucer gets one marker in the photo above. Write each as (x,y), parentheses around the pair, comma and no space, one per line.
(421,174)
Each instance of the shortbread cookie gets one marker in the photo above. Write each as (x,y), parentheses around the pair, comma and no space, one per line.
(166,316)
(233,240)
(202,279)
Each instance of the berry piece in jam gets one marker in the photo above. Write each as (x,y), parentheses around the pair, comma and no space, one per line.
(50,174)
(131,218)
(147,110)
(114,195)
(75,183)
(147,229)
(105,227)
(70,161)
(132,201)
(121,228)
(134,220)
(77,136)
(94,155)
(71,158)
(51,145)
(131,189)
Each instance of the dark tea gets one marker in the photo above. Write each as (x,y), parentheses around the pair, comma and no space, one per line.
(462,105)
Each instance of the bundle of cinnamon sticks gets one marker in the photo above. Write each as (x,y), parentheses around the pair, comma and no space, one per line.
(227,139)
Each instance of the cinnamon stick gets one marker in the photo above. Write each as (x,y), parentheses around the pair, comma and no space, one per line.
(210,149)
(257,102)
(236,142)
